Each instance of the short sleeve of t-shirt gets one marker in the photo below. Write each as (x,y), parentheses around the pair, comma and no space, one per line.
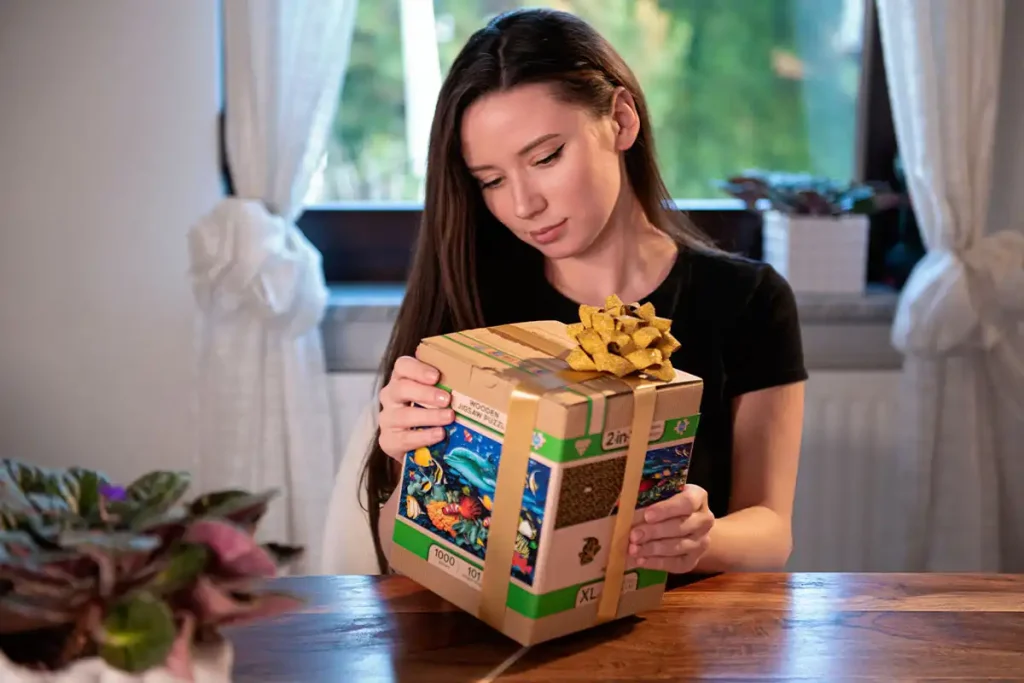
(764,347)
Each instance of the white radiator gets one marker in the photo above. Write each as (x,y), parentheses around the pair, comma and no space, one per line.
(849,443)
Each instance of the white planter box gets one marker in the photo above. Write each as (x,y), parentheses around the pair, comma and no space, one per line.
(818,253)
(209,665)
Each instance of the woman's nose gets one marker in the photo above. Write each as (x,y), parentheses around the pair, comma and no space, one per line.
(529,203)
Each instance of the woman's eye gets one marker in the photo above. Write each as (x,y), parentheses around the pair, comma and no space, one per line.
(490,184)
(551,157)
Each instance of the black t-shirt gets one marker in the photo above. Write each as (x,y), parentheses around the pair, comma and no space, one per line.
(737,323)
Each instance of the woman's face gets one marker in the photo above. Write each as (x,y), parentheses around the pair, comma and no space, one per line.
(551,172)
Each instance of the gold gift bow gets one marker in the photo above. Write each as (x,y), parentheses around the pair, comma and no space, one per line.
(512,470)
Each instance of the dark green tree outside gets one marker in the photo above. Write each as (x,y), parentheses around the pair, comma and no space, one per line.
(732,85)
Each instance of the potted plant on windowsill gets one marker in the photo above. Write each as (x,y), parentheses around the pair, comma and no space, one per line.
(100,583)
(815,230)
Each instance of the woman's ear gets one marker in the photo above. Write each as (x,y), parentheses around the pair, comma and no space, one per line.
(625,119)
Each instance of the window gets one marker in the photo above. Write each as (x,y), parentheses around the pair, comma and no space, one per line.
(731,84)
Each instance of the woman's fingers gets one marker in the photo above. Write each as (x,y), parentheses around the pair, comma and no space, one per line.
(676,527)
(408,367)
(670,547)
(413,410)
(398,443)
(401,392)
(676,563)
(412,417)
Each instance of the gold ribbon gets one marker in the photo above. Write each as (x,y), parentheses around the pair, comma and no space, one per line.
(507,502)
(512,471)
(644,399)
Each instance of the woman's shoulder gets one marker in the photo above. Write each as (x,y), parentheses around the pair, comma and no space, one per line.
(731,283)
(753,315)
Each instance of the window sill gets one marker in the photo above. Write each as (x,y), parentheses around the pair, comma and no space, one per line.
(840,331)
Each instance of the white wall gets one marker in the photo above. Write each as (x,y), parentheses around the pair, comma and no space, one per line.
(108,122)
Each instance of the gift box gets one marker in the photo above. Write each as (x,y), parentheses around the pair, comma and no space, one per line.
(521,515)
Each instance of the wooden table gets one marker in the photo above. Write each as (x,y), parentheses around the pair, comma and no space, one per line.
(763,627)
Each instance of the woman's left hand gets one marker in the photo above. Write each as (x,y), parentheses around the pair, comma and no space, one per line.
(674,535)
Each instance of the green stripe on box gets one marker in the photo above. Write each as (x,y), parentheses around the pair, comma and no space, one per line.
(565,450)
(528,604)
(571,450)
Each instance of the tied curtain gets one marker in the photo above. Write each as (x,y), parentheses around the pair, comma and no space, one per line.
(954,499)
(264,413)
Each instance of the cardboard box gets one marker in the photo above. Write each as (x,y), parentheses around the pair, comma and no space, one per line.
(554,569)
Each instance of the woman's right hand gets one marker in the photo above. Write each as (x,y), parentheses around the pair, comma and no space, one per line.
(403,426)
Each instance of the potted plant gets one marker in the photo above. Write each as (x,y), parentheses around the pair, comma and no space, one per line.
(131,584)
(815,230)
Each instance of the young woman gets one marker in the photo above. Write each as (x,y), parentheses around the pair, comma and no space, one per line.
(543,193)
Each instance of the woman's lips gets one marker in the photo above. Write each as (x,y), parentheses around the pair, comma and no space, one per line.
(549,234)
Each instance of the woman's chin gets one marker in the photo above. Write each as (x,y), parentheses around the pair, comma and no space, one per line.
(566,247)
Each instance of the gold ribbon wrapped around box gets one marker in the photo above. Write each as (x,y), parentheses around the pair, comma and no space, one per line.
(627,341)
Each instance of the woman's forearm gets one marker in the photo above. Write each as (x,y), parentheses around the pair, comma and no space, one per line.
(752,539)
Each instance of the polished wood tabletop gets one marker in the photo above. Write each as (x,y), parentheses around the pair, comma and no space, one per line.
(730,627)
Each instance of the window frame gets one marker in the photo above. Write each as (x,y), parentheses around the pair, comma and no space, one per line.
(368,242)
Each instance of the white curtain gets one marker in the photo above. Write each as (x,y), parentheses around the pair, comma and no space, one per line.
(264,409)
(950,505)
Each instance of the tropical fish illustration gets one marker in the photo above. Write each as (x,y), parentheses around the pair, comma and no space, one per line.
(522,544)
(412,508)
(527,529)
(520,562)
(468,507)
(591,547)
(422,457)
(532,482)
(418,483)
(488,503)
(474,468)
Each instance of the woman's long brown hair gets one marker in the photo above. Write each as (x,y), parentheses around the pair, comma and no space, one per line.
(462,253)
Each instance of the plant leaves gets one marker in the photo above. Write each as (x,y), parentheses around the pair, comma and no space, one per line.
(209,501)
(12,496)
(49,504)
(84,487)
(186,563)
(33,490)
(59,564)
(154,523)
(18,539)
(44,582)
(24,477)
(138,633)
(41,573)
(283,554)
(113,541)
(19,613)
(240,507)
(156,493)
(236,550)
